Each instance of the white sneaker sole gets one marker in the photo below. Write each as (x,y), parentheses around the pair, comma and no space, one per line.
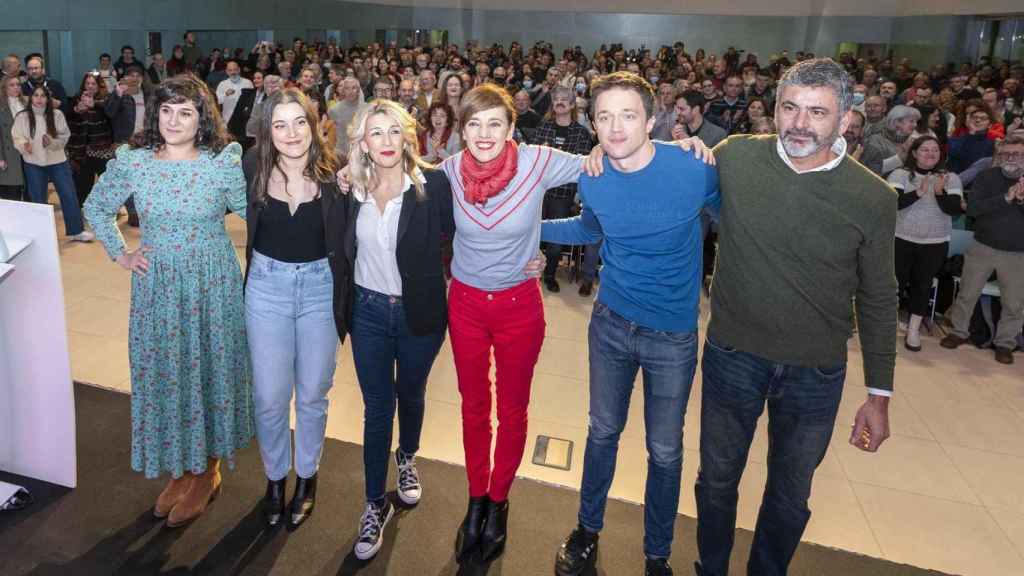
(410,500)
(380,541)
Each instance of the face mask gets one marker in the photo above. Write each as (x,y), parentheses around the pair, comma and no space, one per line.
(858,98)
(654,80)
(528,83)
(581,88)
(235,79)
(1012,170)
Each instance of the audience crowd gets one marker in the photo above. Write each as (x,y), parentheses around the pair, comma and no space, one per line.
(948,140)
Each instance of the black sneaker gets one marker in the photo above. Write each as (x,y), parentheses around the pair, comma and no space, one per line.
(657,567)
(409,488)
(371,529)
(586,288)
(551,284)
(577,553)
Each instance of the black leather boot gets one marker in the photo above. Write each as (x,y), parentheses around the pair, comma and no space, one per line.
(273,502)
(468,538)
(303,501)
(492,543)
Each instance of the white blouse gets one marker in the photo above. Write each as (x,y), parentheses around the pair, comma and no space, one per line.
(377,242)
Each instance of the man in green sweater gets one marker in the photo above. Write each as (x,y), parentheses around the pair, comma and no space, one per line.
(806,245)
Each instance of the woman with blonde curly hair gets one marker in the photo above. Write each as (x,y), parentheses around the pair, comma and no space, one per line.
(400,209)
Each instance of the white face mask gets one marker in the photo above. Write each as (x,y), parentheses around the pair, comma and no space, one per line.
(235,79)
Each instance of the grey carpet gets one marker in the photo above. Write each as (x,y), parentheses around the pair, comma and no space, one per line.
(105,526)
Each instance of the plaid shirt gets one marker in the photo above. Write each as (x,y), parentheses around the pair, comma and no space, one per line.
(579,141)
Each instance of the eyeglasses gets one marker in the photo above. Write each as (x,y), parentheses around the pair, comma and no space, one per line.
(1011,155)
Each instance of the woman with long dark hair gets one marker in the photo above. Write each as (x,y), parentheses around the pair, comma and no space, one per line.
(295,293)
(929,198)
(191,397)
(92,138)
(177,64)
(40,133)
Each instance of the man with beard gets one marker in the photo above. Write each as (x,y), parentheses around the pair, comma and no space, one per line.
(796,212)
(854,135)
(561,132)
(888,91)
(996,203)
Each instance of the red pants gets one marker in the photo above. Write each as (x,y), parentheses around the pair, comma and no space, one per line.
(512,323)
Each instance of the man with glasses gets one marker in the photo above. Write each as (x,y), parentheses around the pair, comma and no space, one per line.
(996,203)
(973,146)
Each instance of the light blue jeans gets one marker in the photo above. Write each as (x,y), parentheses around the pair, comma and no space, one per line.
(289,318)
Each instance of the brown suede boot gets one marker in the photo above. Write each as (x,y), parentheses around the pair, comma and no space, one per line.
(173,493)
(204,489)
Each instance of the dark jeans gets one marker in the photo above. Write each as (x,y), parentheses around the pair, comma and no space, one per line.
(916,267)
(618,348)
(85,177)
(380,340)
(802,406)
(591,257)
(37,178)
(555,208)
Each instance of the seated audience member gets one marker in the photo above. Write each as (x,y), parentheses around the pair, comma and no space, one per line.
(884,151)
(756,109)
(664,111)
(440,139)
(875,110)
(854,135)
(996,203)
(929,198)
(691,122)
(527,118)
(977,143)
(728,110)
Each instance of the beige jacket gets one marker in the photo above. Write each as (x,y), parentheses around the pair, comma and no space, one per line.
(41,155)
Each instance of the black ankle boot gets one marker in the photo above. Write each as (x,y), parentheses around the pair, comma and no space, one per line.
(303,501)
(492,542)
(273,502)
(472,527)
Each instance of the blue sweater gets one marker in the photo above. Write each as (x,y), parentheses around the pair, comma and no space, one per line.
(650,223)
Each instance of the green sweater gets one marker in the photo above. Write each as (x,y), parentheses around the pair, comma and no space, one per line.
(799,255)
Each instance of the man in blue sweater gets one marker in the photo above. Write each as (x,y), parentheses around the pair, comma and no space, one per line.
(646,207)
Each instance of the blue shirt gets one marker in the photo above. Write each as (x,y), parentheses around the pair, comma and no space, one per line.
(650,223)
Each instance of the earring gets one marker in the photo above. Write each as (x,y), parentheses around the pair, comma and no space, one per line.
(366,158)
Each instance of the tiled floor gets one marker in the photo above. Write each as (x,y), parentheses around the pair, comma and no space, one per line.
(945,492)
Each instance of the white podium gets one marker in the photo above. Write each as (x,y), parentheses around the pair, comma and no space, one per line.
(37,401)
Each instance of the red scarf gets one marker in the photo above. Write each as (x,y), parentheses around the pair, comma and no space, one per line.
(483,181)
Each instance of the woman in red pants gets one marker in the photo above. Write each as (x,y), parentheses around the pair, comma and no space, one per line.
(498,188)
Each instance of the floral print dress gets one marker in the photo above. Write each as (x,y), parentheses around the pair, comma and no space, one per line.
(191,391)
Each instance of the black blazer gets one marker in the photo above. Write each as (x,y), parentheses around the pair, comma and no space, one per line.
(336,211)
(243,109)
(420,226)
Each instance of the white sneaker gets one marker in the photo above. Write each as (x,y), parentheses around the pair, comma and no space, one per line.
(409,488)
(83,236)
(371,529)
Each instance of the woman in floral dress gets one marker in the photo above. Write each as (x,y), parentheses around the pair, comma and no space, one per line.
(191,395)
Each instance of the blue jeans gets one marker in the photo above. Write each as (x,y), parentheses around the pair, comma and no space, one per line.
(802,406)
(382,346)
(36,180)
(618,348)
(289,318)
